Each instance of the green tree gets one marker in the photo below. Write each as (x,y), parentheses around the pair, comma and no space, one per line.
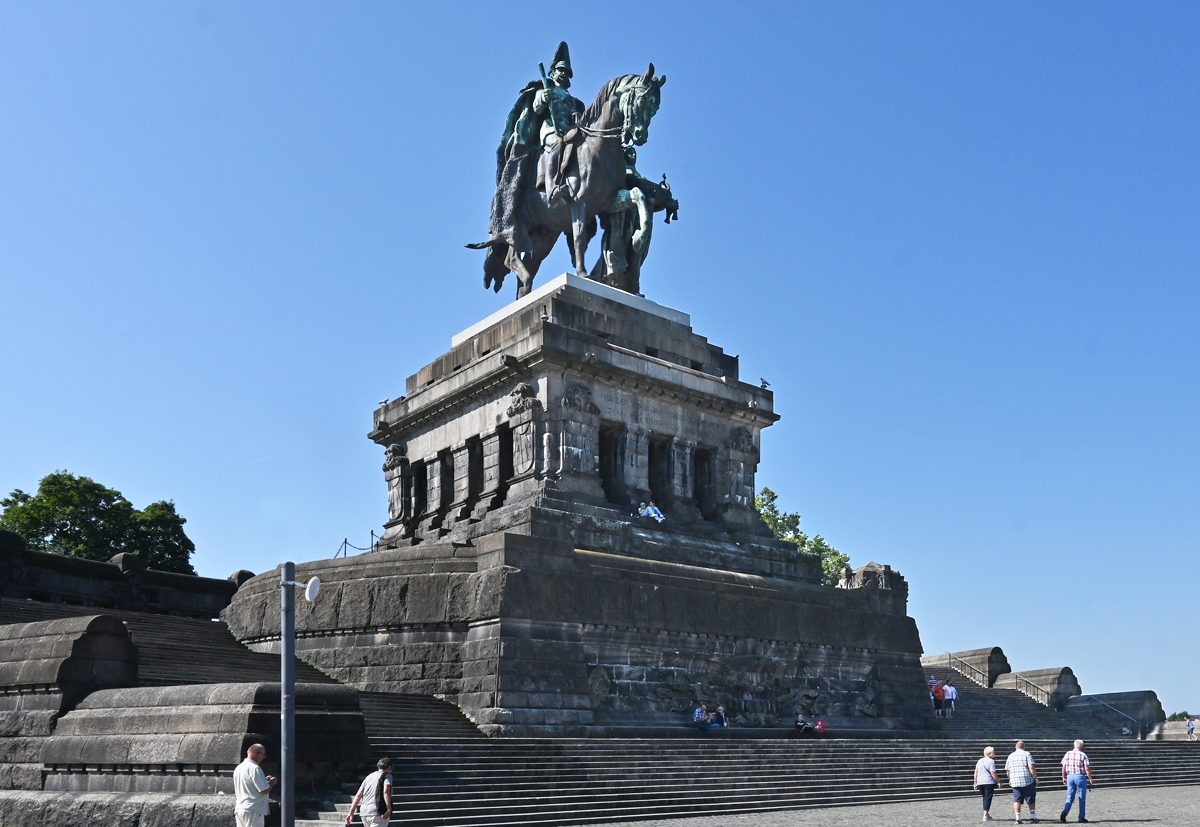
(785,525)
(79,517)
(1177,716)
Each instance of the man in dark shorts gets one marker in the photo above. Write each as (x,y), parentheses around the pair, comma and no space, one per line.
(1022,777)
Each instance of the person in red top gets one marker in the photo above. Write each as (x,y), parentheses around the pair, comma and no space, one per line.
(939,697)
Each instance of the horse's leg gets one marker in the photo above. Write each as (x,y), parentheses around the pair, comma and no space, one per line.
(515,263)
(580,236)
(495,266)
(543,243)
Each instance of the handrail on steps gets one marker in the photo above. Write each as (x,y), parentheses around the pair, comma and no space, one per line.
(1032,690)
(1028,688)
(967,670)
(1024,685)
(1137,725)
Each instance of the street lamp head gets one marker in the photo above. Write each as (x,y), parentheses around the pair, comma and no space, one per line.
(311,588)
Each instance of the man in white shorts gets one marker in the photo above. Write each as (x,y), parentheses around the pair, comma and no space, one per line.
(950,695)
(376,786)
(252,789)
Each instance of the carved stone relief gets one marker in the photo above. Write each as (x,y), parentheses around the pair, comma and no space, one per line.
(579,397)
(395,468)
(740,439)
(523,398)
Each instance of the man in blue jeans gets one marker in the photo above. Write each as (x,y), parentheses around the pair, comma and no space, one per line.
(1077,776)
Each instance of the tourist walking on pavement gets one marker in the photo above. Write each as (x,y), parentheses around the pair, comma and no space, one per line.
(1191,728)
(252,789)
(1077,776)
(986,780)
(950,696)
(1022,777)
(374,797)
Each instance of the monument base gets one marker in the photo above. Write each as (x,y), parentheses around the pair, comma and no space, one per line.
(516,577)
(535,637)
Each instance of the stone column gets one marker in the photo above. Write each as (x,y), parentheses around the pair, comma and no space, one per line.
(431,520)
(739,462)
(462,485)
(637,463)
(525,418)
(683,486)
(399,482)
(492,493)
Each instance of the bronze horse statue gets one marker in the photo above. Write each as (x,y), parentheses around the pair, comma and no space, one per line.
(620,114)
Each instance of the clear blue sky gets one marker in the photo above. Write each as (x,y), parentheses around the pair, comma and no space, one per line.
(960,240)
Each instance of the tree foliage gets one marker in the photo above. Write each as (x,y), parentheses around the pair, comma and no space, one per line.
(79,517)
(1178,716)
(786,526)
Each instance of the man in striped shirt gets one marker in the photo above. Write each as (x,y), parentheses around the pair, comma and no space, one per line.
(1022,777)
(1077,776)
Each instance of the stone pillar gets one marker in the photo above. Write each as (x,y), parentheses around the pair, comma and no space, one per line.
(578,437)
(399,482)
(492,493)
(525,418)
(637,464)
(739,463)
(431,519)
(459,507)
(683,486)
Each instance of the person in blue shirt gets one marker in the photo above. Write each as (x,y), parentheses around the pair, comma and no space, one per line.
(652,511)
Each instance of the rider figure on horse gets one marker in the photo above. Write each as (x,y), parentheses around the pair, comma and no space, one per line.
(548,114)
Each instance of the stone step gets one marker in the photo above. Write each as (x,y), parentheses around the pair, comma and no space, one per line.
(576,781)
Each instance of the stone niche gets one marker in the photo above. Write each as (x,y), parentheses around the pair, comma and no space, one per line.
(514,578)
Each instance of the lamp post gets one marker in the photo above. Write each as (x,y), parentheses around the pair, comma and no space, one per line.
(287,688)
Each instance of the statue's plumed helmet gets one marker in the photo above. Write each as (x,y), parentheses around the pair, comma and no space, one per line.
(562,57)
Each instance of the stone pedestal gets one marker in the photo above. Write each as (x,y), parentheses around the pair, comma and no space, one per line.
(514,578)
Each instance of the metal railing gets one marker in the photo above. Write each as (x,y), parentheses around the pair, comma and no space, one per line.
(967,670)
(1136,729)
(1032,690)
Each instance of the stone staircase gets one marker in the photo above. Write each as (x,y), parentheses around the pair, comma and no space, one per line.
(982,713)
(394,720)
(173,650)
(452,783)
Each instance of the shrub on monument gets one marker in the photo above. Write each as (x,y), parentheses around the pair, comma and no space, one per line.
(785,525)
(79,517)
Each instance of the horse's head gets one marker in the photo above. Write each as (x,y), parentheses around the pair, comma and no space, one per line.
(625,105)
(639,103)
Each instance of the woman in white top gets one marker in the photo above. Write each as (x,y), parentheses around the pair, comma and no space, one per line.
(986,780)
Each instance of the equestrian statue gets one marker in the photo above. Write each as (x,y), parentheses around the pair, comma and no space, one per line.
(561,166)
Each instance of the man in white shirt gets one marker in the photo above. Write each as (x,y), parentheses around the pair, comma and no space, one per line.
(373,811)
(252,788)
(950,695)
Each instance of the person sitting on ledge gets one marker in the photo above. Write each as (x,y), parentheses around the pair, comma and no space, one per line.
(702,719)
(651,511)
(718,719)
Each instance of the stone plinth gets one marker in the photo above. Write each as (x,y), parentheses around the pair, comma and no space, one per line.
(186,740)
(514,579)
(46,669)
(121,583)
(586,400)
(1060,682)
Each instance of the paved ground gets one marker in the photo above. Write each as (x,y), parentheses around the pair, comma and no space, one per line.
(1158,806)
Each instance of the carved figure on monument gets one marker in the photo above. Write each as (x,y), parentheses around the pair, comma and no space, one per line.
(865,705)
(579,397)
(629,225)
(395,467)
(740,439)
(559,166)
(523,398)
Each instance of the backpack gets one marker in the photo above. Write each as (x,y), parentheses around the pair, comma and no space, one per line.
(381,806)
